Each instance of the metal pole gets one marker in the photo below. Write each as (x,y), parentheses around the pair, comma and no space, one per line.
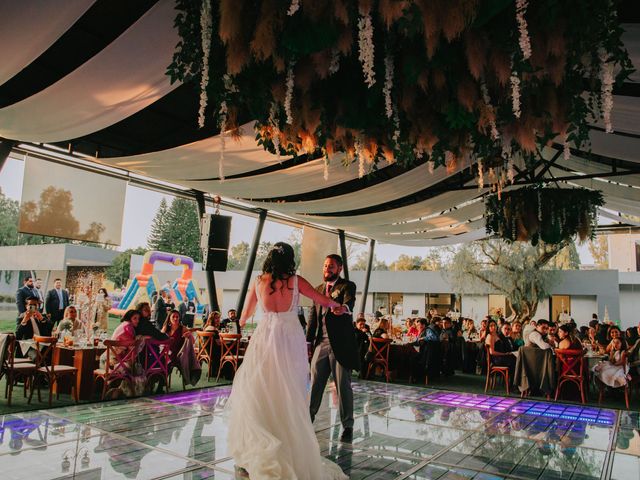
(211,281)
(367,276)
(343,254)
(257,235)
(5,150)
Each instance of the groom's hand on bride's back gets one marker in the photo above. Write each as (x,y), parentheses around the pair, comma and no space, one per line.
(340,310)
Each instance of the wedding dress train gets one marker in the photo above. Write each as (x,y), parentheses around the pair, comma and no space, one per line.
(270,430)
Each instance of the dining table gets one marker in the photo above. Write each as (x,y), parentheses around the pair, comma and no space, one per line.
(85,359)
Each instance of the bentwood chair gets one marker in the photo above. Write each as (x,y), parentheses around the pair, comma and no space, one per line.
(13,370)
(206,343)
(156,361)
(121,358)
(45,347)
(602,387)
(380,347)
(229,351)
(570,365)
(494,372)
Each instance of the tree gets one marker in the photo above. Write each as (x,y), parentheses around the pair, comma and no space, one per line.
(158,227)
(119,270)
(516,270)
(599,249)
(238,256)
(404,262)
(567,258)
(177,229)
(361,260)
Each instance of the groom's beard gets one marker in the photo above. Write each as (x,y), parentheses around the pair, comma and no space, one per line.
(331,277)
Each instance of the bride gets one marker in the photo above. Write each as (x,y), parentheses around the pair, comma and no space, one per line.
(270,430)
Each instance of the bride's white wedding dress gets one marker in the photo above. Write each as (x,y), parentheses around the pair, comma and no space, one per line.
(270,430)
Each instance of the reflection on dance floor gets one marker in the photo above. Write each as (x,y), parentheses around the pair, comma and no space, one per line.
(400,432)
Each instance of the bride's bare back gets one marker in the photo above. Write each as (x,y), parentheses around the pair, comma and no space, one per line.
(280,299)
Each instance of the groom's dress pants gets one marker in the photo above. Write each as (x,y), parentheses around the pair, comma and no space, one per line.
(323,364)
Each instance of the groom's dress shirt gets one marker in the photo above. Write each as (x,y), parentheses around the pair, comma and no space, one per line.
(327,292)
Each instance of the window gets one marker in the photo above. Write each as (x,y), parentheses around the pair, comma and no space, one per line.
(442,302)
(498,304)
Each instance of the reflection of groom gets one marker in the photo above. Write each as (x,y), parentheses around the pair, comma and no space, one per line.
(333,337)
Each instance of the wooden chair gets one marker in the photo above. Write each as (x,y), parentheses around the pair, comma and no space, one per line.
(121,357)
(13,370)
(204,349)
(156,361)
(380,349)
(570,365)
(494,371)
(229,351)
(45,347)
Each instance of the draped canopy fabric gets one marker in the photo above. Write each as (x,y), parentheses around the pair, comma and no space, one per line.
(120,103)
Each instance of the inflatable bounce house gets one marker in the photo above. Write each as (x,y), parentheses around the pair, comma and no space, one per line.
(144,286)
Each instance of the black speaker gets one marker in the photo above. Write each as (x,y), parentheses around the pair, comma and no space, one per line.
(214,242)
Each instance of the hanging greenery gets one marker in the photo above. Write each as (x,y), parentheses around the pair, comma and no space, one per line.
(531,214)
(455,80)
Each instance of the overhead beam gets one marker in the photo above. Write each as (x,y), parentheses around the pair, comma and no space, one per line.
(343,254)
(5,149)
(367,276)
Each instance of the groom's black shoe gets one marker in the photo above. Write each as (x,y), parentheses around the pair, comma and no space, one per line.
(347,435)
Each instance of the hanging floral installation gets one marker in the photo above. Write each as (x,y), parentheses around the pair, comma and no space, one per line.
(468,77)
(547,214)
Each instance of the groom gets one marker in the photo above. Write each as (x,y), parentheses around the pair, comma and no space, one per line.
(335,348)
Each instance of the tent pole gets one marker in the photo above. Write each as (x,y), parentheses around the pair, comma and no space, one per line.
(257,235)
(211,281)
(343,254)
(367,276)
(5,150)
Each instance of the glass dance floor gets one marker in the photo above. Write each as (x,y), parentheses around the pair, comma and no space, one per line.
(400,432)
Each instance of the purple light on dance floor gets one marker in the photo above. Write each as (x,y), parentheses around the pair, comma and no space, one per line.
(524,407)
(193,397)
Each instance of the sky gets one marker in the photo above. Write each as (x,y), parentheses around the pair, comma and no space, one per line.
(140,207)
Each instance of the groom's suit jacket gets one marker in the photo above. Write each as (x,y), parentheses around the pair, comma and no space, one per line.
(342,335)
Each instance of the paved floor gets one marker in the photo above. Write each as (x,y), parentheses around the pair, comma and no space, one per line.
(400,432)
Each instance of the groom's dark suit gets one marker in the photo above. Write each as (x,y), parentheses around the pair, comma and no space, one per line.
(336,354)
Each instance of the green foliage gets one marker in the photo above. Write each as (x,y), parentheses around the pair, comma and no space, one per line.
(599,249)
(518,271)
(176,229)
(119,270)
(361,259)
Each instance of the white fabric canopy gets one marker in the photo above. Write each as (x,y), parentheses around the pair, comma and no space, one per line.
(617,217)
(470,236)
(122,79)
(30,27)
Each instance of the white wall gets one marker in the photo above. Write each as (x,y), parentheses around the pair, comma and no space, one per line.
(474,306)
(582,307)
(413,301)
(629,306)
(622,252)
(543,310)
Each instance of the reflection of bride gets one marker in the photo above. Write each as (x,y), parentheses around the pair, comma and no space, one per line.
(270,430)
(84,302)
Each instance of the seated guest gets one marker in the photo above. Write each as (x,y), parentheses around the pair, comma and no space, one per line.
(231,322)
(537,337)
(177,334)
(583,333)
(433,330)
(470,334)
(382,329)
(633,353)
(70,322)
(362,340)
(631,336)
(502,350)
(552,335)
(516,334)
(592,340)
(213,323)
(32,322)
(613,372)
(145,326)
(602,335)
(126,331)
(567,341)
(412,329)
(483,329)
(528,326)
(614,334)
(188,312)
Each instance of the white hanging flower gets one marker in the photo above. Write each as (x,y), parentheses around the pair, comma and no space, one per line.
(275,129)
(360,156)
(325,174)
(487,101)
(539,207)
(431,165)
(335,61)
(388,85)
(223,127)
(524,40)
(607,79)
(293,8)
(511,172)
(366,48)
(566,148)
(506,150)
(480,175)
(206,23)
(396,124)
(515,94)
(289,95)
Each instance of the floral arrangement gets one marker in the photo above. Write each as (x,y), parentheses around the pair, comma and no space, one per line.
(394,80)
(543,213)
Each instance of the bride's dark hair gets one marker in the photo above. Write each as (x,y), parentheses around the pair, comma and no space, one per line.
(280,264)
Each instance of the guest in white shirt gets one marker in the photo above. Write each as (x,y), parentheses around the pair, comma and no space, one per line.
(537,337)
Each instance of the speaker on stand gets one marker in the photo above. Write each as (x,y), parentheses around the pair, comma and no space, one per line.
(214,242)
